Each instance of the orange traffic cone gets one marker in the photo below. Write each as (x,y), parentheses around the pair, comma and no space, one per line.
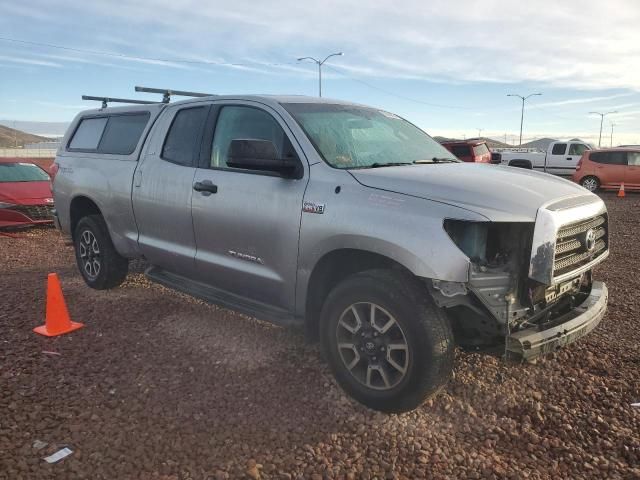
(621,191)
(57,320)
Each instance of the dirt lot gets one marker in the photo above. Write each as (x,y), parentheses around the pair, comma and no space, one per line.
(159,385)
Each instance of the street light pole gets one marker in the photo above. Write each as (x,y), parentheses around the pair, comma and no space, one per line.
(522,112)
(320,63)
(611,139)
(602,115)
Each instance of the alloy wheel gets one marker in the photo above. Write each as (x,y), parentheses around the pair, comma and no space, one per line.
(90,254)
(590,184)
(372,346)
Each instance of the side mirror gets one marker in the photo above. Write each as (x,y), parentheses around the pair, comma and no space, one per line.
(261,155)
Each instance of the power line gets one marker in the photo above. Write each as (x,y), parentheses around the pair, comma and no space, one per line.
(403,97)
(137,57)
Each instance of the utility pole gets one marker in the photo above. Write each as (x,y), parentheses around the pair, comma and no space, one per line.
(320,63)
(602,115)
(611,139)
(522,113)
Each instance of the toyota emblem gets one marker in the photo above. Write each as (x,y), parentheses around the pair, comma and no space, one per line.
(590,239)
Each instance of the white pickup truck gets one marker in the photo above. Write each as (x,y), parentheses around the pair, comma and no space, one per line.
(560,158)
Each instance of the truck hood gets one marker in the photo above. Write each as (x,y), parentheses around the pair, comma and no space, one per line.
(501,194)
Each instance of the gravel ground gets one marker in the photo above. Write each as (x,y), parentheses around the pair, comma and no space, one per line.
(161,386)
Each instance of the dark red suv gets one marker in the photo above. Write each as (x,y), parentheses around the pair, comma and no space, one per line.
(472,150)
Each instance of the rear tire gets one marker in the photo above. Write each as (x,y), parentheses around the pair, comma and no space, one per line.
(101,266)
(591,183)
(399,360)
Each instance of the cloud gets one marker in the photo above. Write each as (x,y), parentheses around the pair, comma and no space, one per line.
(574,44)
(29,61)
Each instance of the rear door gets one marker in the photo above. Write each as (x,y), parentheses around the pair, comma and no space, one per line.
(610,167)
(247,231)
(163,186)
(632,176)
(556,158)
(571,159)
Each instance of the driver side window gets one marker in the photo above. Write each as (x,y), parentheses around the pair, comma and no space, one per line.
(246,123)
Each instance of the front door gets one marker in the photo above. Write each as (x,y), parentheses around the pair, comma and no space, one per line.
(247,231)
(162,190)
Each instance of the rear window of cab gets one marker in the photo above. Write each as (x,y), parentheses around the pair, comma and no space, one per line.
(109,134)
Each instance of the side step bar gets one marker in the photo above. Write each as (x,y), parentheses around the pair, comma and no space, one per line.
(221,298)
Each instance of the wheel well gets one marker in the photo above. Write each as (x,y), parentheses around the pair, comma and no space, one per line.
(330,270)
(81,207)
(521,163)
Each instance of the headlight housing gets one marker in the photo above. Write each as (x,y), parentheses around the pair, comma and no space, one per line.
(491,244)
(6,205)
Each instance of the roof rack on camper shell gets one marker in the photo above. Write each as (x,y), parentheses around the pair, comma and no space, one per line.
(166,96)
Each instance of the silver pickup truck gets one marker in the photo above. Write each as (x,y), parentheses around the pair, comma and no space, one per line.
(344,219)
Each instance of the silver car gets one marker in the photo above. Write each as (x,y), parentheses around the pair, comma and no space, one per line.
(344,219)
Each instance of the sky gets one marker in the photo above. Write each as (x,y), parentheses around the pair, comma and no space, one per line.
(447,66)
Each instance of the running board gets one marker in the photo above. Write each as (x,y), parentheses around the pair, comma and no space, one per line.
(219,297)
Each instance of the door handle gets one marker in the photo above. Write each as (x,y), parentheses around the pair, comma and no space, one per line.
(205,187)
(569,158)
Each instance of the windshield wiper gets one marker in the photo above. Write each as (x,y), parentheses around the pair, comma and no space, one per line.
(390,164)
(437,160)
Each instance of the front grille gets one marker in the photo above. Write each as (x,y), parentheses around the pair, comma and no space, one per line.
(35,212)
(573,241)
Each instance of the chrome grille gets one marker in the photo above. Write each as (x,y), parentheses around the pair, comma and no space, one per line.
(572,244)
(35,212)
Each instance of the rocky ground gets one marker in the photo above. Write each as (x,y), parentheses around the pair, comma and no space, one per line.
(161,386)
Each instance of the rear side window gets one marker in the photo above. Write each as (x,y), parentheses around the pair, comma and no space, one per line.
(461,150)
(114,135)
(479,150)
(559,149)
(88,134)
(609,158)
(183,140)
(122,134)
(633,158)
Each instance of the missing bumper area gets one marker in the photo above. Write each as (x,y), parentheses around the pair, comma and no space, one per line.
(532,343)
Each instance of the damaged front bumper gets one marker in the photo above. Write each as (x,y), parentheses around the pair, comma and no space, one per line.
(531,343)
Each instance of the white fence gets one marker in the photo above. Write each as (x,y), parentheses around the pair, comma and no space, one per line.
(27,153)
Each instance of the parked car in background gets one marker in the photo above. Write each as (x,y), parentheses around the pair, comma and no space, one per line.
(609,168)
(472,150)
(25,195)
(561,158)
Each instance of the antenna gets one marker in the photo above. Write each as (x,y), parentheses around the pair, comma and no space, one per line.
(106,100)
(166,93)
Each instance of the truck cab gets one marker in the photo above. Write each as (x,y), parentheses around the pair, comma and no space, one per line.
(561,157)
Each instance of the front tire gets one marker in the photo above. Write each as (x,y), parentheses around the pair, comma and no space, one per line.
(388,345)
(101,266)
(591,183)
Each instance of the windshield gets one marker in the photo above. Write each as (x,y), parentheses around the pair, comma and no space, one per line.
(349,136)
(22,172)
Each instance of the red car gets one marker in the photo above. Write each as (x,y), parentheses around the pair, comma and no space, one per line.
(609,168)
(472,150)
(25,195)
